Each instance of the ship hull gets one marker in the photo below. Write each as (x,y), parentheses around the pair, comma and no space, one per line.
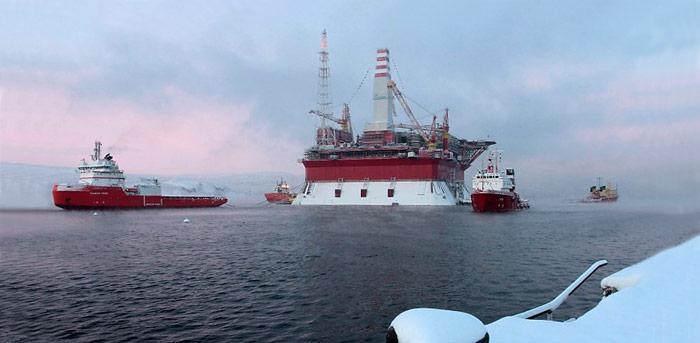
(594,199)
(385,169)
(96,197)
(495,201)
(279,198)
(381,193)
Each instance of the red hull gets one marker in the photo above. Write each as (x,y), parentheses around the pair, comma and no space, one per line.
(495,201)
(376,169)
(279,198)
(93,197)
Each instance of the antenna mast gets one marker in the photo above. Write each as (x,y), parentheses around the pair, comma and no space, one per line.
(98,151)
(324,105)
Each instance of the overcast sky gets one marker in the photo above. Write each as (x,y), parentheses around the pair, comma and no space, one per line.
(570,90)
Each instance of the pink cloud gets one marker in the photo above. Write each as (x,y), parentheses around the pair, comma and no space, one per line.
(677,132)
(660,91)
(192,135)
(543,76)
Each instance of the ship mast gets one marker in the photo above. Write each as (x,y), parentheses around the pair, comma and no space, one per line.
(97,150)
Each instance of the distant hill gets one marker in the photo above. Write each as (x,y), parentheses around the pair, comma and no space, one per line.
(24,186)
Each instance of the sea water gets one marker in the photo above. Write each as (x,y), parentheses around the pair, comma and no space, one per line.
(299,274)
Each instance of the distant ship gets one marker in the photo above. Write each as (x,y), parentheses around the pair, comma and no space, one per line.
(281,195)
(102,185)
(390,163)
(599,193)
(493,190)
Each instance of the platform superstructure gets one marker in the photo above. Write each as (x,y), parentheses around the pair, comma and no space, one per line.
(389,163)
(102,185)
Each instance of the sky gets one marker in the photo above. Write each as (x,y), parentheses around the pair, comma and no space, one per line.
(570,90)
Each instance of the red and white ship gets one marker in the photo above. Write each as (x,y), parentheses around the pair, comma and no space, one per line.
(390,163)
(282,194)
(102,185)
(493,190)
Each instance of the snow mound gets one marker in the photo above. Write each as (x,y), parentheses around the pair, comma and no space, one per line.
(422,325)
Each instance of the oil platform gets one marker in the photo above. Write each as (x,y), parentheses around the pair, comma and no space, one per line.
(390,163)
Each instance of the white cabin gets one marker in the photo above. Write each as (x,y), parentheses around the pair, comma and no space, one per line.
(492,178)
(101,171)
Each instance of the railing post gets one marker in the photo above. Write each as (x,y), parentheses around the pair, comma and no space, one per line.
(549,307)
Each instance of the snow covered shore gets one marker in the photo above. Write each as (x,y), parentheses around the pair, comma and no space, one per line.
(656,300)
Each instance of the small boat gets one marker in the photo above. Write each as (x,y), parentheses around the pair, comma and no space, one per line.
(600,193)
(281,195)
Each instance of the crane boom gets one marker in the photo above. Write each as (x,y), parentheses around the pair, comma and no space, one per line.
(411,126)
(326,116)
(344,121)
(404,104)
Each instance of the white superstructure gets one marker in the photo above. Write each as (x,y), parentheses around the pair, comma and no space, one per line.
(101,171)
(492,178)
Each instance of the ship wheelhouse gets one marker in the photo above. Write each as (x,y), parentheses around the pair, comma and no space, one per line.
(101,171)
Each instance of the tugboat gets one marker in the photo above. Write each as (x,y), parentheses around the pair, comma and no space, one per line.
(494,189)
(599,193)
(102,186)
(281,195)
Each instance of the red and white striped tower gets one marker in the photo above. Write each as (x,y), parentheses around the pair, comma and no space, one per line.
(383,98)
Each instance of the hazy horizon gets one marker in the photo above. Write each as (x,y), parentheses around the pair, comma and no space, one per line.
(569,90)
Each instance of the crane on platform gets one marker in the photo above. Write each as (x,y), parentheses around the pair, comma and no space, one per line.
(416,126)
(343,121)
(428,133)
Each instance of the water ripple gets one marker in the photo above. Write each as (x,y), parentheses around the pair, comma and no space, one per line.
(299,274)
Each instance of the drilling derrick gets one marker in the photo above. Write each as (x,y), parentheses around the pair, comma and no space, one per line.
(324,106)
(327,136)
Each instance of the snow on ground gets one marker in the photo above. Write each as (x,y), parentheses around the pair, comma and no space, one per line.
(25,186)
(658,300)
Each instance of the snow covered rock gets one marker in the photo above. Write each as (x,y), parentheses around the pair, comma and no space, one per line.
(428,325)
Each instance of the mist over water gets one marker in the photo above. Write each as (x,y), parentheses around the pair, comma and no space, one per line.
(304,274)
